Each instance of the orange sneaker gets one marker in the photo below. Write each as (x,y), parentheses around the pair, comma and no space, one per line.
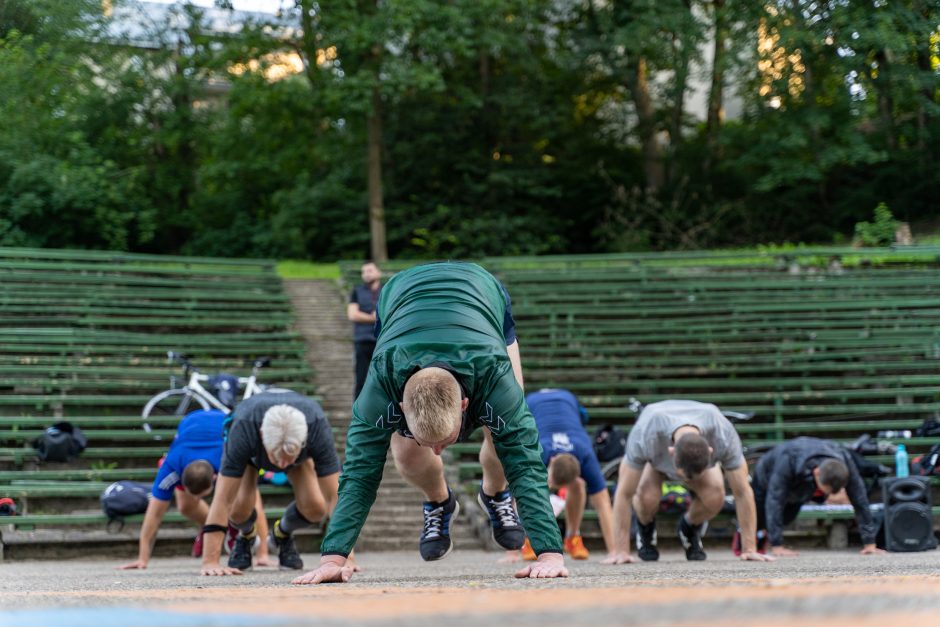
(527,553)
(574,546)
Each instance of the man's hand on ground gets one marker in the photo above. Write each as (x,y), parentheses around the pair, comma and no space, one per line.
(619,558)
(548,565)
(782,551)
(332,569)
(871,549)
(136,564)
(754,556)
(217,570)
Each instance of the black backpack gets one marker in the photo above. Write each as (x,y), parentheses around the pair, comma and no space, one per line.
(610,443)
(124,498)
(928,429)
(927,465)
(60,443)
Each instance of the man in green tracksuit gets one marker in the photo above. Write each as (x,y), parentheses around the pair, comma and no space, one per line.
(446,362)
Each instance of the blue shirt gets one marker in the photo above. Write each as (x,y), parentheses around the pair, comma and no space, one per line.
(366,299)
(199,436)
(559,416)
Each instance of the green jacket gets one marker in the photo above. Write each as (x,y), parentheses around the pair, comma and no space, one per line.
(452,314)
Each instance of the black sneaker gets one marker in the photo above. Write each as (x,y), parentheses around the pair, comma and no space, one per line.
(435,539)
(646,540)
(240,557)
(287,554)
(691,538)
(507,529)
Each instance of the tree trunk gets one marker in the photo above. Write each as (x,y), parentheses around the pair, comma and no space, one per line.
(379,247)
(885,99)
(638,83)
(716,94)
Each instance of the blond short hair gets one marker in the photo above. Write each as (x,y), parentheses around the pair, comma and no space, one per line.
(431,403)
(284,430)
(563,469)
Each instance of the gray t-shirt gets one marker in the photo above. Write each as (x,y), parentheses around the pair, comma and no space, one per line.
(651,436)
(243,446)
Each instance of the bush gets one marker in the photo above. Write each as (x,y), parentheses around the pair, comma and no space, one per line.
(881,231)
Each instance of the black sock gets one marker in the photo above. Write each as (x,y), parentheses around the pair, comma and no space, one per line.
(291,521)
(247,528)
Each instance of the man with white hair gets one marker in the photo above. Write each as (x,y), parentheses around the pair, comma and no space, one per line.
(276,431)
(446,363)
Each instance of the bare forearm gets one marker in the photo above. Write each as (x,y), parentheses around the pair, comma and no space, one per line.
(747,518)
(516,360)
(148,530)
(605,517)
(357,315)
(623,511)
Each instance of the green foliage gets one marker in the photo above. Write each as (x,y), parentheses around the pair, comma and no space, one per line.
(881,231)
(508,126)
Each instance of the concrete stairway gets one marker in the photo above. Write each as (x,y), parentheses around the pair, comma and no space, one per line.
(395,521)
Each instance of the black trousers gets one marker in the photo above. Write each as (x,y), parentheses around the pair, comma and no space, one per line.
(790,510)
(364,350)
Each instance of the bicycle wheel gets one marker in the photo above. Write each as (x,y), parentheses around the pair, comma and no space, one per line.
(177,403)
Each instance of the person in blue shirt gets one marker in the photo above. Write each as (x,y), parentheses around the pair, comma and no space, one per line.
(187,472)
(569,455)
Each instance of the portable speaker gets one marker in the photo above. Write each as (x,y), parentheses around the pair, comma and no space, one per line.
(908,522)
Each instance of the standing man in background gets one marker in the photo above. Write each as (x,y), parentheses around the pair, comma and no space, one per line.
(361,312)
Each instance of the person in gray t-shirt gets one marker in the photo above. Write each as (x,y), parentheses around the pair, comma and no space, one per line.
(693,443)
(276,431)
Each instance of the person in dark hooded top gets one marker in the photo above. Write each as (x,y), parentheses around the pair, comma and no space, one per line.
(802,470)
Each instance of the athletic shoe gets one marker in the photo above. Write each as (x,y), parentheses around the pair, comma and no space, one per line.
(507,529)
(646,540)
(240,557)
(761,543)
(288,556)
(527,553)
(574,546)
(435,541)
(230,535)
(691,538)
(197,545)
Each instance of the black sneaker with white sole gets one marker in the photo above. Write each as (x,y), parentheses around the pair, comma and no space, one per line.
(240,557)
(435,539)
(288,556)
(691,538)
(507,528)
(646,541)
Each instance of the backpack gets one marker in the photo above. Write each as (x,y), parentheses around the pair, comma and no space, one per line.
(124,498)
(610,443)
(928,429)
(7,507)
(60,443)
(927,465)
(225,388)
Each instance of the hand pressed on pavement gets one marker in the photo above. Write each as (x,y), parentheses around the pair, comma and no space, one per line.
(217,570)
(136,564)
(332,569)
(754,556)
(547,566)
(619,558)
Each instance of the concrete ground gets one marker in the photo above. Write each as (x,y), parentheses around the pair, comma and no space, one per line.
(834,588)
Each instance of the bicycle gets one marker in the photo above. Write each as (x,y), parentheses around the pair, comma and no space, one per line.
(178,401)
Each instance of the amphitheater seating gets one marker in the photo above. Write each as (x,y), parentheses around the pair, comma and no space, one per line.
(84,337)
(827,342)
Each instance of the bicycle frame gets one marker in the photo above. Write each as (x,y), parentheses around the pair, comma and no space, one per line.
(195,386)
